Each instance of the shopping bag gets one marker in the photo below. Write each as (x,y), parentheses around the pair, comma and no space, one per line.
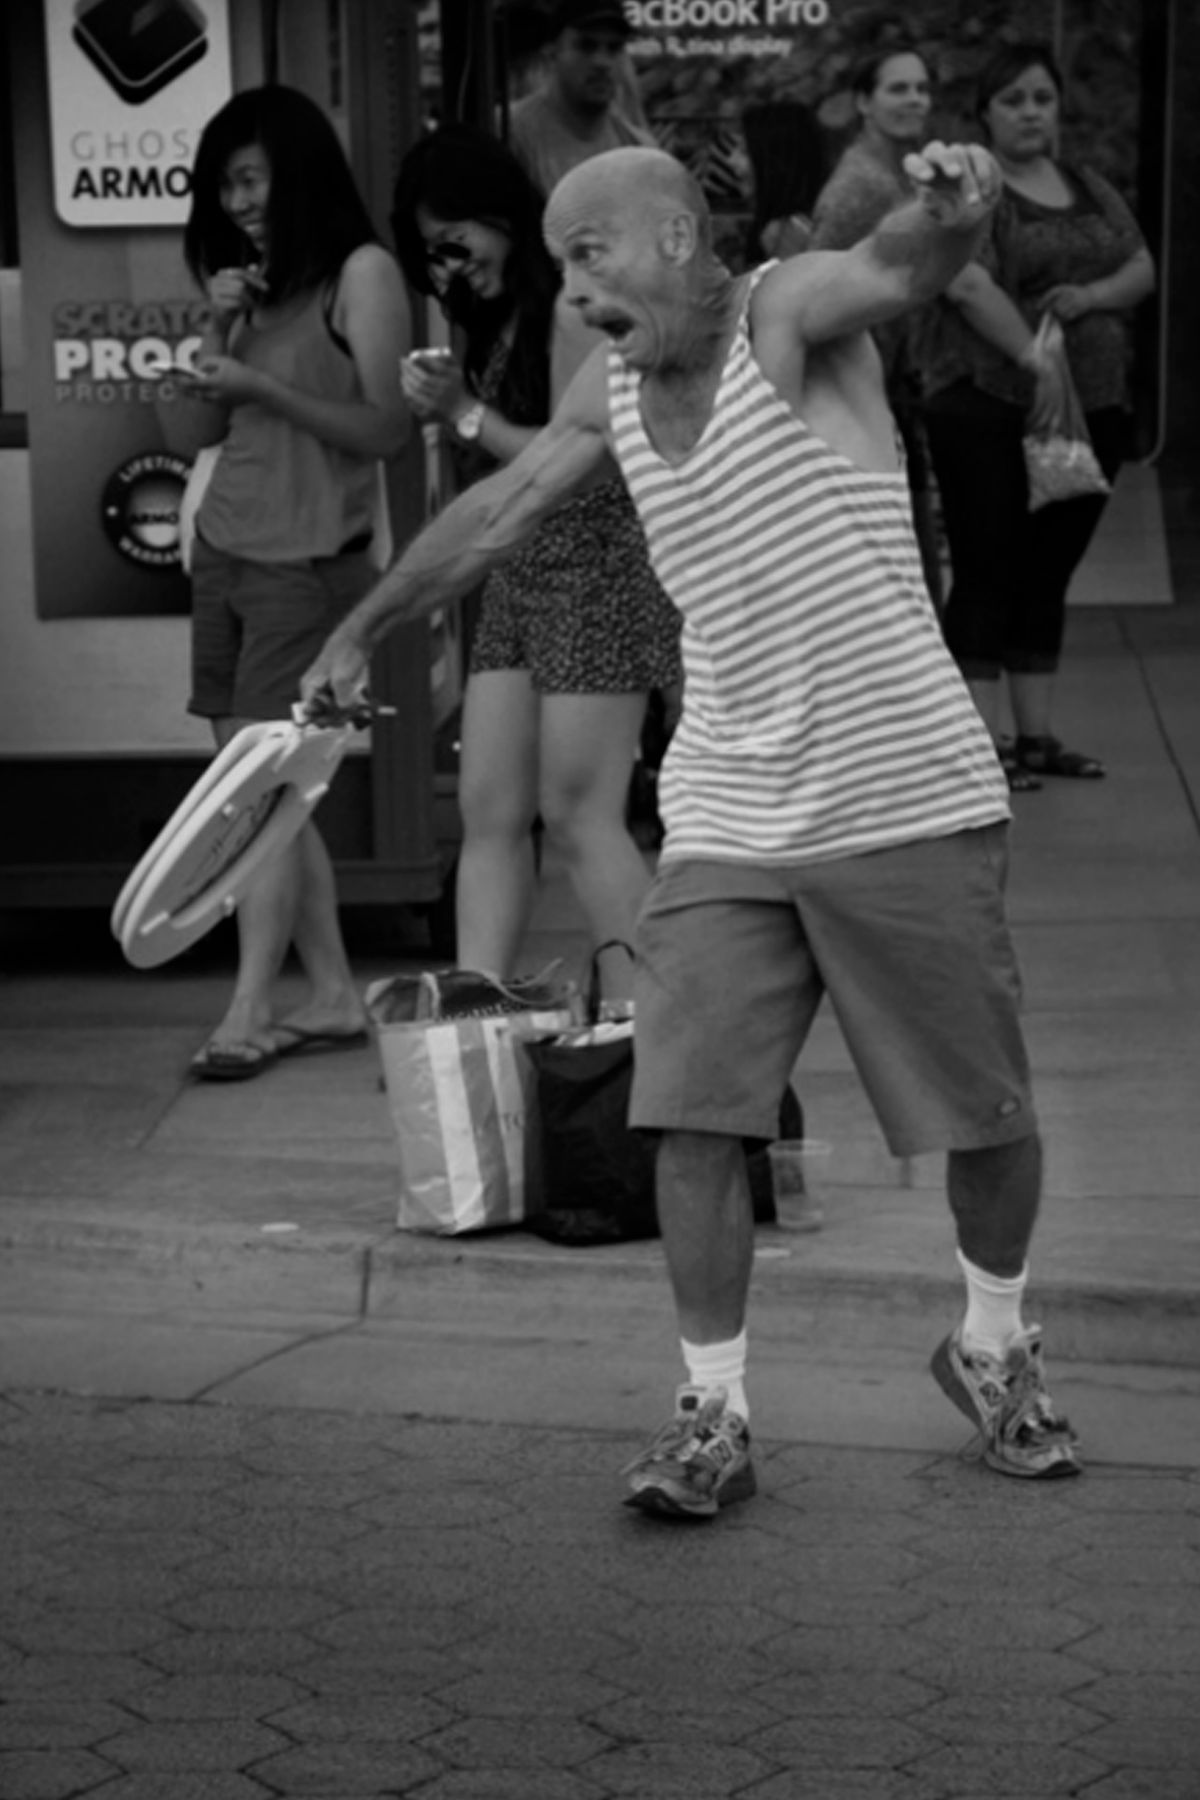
(194,490)
(596,1175)
(1061,463)
(458,1087)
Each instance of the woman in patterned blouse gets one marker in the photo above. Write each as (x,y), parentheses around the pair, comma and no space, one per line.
(1063,242)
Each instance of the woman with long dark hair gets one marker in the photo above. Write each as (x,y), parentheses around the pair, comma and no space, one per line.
(309,319)
(575,632)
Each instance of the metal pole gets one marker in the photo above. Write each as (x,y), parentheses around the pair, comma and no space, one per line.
(468,62)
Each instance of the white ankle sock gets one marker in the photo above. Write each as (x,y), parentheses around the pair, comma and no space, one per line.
(720,1365)
(993,1308)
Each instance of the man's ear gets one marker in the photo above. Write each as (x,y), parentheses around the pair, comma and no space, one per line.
(678,238)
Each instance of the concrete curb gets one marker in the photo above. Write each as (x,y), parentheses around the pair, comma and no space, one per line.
(800,1295)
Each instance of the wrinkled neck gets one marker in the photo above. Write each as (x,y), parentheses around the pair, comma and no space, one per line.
(706,326)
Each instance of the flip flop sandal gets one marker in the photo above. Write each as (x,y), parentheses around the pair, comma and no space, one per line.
(295,1040)
(1020,780)
(1046,756)
(235,1062)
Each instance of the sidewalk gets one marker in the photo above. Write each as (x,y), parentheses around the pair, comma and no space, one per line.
(247,1603)
(268,1207)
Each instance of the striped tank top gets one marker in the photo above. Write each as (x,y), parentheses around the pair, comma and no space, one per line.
(822,716)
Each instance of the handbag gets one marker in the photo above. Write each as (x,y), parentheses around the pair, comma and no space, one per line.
(458,1086)
(596,1176)
(194,490)
(1061,464)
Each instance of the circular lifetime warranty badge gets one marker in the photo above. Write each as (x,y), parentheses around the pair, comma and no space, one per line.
(140,508)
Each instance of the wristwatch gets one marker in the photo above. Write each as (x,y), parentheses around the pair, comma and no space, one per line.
(468,424)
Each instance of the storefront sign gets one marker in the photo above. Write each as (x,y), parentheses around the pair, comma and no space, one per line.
(106,314)
(722,28)
(701,64)
(132,84)
(111,352)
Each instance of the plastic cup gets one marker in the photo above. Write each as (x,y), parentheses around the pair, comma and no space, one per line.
(799,1172)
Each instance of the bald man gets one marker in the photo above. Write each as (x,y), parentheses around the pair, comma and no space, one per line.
(835,813)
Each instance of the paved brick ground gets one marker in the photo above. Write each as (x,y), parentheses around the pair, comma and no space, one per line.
(208,1603)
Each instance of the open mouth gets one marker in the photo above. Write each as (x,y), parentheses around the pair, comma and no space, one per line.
(617,327)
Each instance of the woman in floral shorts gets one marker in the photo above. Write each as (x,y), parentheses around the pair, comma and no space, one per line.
(580,608)
(575,632)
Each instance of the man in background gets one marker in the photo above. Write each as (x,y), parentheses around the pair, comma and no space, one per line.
(584,102)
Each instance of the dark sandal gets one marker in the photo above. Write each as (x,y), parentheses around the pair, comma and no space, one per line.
(1046,756)
(1020,780)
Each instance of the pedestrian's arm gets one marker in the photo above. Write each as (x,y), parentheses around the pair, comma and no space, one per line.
(437,389)
(849,207)
(998,320)
(571,344)
(374,320)
(911,256)
(1121,291)
(988,310)
(475,534)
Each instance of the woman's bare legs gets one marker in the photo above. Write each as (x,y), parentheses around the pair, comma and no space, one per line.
(588,746)
(988,701)
(294,898)
(1031,695)
(266,915)
(334,1004)
(498,800)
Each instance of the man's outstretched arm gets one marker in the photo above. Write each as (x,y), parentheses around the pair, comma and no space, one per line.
(475,534)
(912,255)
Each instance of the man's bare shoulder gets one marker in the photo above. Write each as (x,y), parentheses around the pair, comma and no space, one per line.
(784,292)
(584,403)
(529,106)
(528,122)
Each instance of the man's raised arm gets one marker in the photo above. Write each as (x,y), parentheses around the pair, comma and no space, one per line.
(477,532)
(912,255)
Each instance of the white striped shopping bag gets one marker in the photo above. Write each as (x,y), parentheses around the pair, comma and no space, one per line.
(458,1091)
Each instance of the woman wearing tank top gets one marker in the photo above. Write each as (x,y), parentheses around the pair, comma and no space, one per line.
(309,320)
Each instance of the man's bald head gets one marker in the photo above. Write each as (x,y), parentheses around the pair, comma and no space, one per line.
(632,187)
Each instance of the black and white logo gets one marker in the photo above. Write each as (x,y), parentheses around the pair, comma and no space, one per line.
(140,46)
(140,508)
